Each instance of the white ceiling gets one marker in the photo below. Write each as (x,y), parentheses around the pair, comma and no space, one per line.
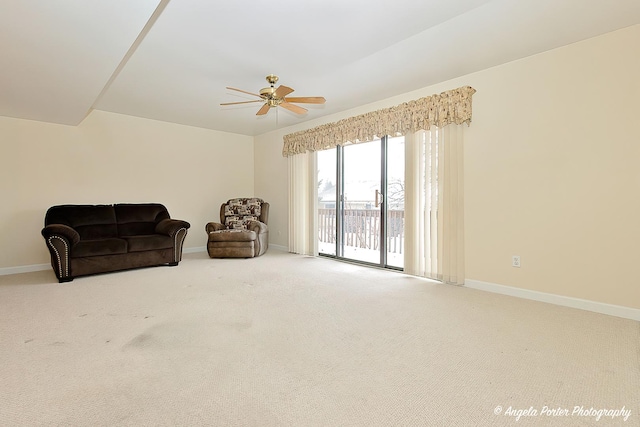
(170,60)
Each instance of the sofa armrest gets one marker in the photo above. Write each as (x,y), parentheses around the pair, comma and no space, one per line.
(214,226)
(177,229)
(61,230)
(170,226)
(60,239)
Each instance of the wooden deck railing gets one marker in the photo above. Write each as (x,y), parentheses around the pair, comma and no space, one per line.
(362,228)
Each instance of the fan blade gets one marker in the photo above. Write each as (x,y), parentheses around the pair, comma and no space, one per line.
(294,108)
(243,91)
(264,110)
(282,91)
(242,102)
(306,99)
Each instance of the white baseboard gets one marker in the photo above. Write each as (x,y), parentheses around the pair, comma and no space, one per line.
(41,267)
(5,271)
(582,304)
(24,269)
(204,249)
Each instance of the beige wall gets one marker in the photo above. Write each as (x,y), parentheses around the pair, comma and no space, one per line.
(112,158)
(550,170)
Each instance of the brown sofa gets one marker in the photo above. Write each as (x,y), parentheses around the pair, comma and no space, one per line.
(89,239)
(242,231)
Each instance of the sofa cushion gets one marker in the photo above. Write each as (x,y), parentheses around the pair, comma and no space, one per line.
(149,242)
(109,246)
(90,221)
(139,219)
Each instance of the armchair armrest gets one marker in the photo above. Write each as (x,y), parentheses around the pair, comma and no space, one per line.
(214,226)
(257,226)
(170,226)
(61,230)
(262,231)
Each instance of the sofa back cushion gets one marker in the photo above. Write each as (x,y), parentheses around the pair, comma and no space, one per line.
(139,219)
(90,221)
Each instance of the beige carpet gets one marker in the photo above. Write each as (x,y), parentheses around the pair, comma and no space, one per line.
(287,340)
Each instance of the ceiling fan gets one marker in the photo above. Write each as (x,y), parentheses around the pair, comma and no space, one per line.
(273,97)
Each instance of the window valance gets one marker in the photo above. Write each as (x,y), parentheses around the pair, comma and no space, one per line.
(453,106)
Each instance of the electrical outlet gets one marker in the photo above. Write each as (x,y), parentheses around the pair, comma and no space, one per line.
(515,261)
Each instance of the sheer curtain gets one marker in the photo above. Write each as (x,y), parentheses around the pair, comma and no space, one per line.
(303,196)
(434,204)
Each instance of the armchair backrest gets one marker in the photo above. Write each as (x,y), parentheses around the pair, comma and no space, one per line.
(236,213)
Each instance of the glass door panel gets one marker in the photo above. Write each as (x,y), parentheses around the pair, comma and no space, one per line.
(395,202)
(327,196)
(361,202)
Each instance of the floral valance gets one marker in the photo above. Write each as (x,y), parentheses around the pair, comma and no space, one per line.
(453,106)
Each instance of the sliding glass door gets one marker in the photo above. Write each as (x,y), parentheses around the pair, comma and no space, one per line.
(361,202)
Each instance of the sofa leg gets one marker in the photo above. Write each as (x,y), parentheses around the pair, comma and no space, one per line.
(65,279)
(172,264)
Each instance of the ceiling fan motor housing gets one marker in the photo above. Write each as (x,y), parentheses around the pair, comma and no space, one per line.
(268,95)
(267,92)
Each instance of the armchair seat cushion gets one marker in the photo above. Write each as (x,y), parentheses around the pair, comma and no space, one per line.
(98,247)
(150,242)
(232,236)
